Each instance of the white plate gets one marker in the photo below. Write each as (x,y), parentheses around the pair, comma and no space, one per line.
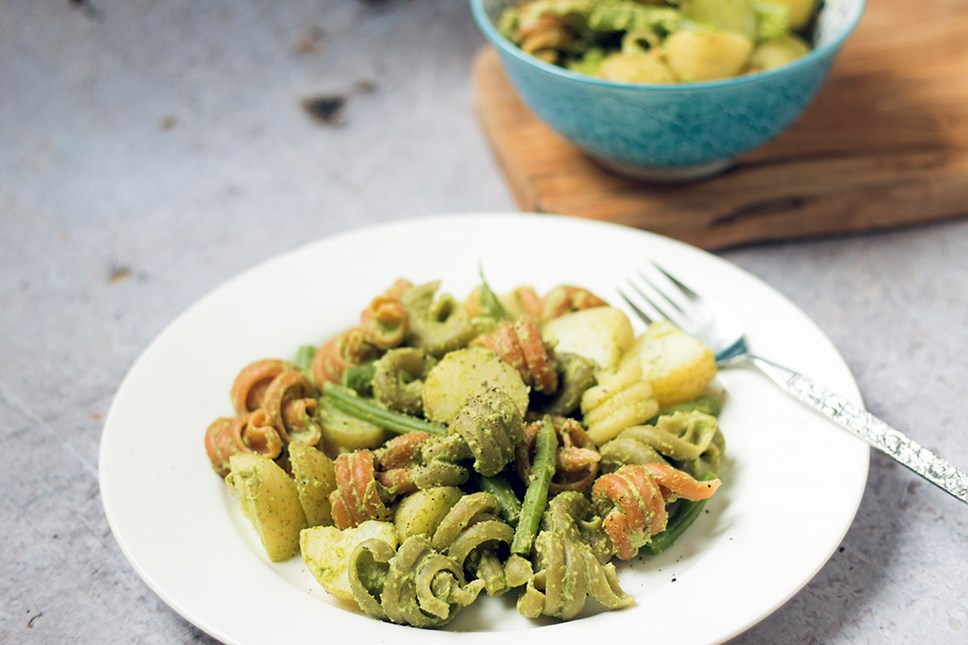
(791,487)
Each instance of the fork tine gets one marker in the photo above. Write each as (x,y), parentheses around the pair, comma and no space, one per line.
(674,318)
(689,293)
(662,293)
(646,318)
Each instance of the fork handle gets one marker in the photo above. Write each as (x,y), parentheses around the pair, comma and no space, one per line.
(865,425)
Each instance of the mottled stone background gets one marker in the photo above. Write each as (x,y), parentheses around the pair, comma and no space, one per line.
(150,150)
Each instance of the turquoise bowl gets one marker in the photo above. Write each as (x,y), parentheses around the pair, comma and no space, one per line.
(671,133)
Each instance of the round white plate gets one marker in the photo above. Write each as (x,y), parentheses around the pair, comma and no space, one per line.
(791,487)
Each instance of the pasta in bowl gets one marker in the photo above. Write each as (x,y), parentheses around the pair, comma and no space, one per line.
(667,91)
(445,449)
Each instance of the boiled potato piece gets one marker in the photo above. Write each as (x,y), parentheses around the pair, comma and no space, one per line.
(421,512)
(271,502)
(315,480)
(346,432)
(326,552)
(600,334)
(635,68)
(777,52)
(678,366)
(728,15)
(465,373)
(706,54)
(801,11)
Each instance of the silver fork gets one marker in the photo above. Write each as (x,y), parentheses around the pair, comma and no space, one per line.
(723,332)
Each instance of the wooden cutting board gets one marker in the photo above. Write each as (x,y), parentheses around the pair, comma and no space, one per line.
(885,144)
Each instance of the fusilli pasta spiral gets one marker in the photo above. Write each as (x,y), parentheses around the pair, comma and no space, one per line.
(519,344)
(633,499)
(416,586)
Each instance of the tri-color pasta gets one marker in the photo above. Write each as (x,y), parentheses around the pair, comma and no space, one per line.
(662,41)
(507,444)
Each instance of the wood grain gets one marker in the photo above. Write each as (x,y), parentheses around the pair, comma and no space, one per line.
(885,144)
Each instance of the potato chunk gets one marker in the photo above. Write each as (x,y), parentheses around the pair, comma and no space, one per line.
(315,480)
(271,502)
(465,373)
(326,551)
(419,513)
(678,366)
(707,54)
(600,334)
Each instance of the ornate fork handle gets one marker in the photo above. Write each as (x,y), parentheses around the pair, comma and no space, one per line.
(865,425)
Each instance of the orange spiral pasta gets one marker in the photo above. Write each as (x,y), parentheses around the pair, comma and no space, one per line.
(357,495)
(290,405)
(402,451)
(527,302)
(397,458)
(349,348)
(519,345)
(405,470)
(229,436)
(385,322)
(250,385)
(398,289)
(633,502)
(564,299)
(544,36)
(576,459)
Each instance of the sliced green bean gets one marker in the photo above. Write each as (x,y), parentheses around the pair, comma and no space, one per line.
(682,518)
(491,306)
(359,378)
(304,358)
(501,489)
(536,496)
(372,412)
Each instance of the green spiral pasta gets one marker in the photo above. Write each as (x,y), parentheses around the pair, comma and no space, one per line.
(681,437)
(711,459)
(438,325)
(416,586)
(398,379)
(474,535)
(488,427)
(576,374)
(567,574)
(368,566)
(572,516)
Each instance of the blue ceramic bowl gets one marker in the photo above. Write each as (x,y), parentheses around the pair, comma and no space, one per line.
(671,132)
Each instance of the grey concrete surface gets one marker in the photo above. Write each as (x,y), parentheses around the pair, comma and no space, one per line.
(150,150)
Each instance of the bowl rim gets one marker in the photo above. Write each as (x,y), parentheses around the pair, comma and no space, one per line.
(497,39)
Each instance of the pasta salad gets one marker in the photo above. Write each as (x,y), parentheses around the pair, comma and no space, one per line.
(662,41)
(440,450)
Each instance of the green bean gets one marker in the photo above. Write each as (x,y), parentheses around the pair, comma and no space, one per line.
(359,378)
(682,518)
(491,307)
(501,489)
(536,496)
(304,358)
(370,411)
